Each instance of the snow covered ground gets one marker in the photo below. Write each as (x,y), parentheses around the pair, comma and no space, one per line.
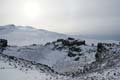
(58,60)
(27,58)
(24,35)
(8,72)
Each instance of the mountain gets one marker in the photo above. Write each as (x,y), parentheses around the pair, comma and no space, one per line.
(26,35)
(35,54)
(63,59)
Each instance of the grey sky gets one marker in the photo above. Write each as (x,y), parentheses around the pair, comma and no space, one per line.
(66,16)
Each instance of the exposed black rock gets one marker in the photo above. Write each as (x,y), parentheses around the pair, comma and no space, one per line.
(3,43)
(70,44)
(69,38)
(77,49)
(70,54)
(101,52)
(76,59)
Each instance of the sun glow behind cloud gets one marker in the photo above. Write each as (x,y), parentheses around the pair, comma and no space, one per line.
(66,16)
(31,9)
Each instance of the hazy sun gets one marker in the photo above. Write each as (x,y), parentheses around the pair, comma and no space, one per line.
(31,9)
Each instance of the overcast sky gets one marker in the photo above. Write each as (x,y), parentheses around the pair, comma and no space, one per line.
(65,16)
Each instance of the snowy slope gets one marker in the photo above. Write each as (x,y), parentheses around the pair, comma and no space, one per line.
(57,59)
(51,57)
(25,35)
(39,54)
(18,69)
(9,72)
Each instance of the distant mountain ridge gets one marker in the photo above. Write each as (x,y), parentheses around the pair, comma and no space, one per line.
(70,58)
(26,35)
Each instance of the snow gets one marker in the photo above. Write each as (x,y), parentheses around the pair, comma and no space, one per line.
(11,73)
(7,71)
(39,54)
(56,59)
(24,36)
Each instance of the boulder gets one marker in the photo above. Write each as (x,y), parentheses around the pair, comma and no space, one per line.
(100,47)
(78,43)
(60,40)
(69,38)
(70,54)
(3,43)
(76,59)
(101,53)
(76,49)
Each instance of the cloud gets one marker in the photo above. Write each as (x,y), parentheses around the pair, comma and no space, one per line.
(75,16)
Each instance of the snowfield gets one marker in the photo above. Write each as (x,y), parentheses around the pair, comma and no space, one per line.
(23,35)
(35,54)
(8,72)
(26,35)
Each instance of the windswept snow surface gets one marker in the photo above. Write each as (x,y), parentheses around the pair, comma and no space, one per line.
(9,72)
(25,35)
(57,60)
(39,54)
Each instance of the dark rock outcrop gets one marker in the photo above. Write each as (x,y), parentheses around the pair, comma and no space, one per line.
(107,56)
(69,38)
(70,54)
(71,45)
(3,43)
(69,42)
(101,52)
